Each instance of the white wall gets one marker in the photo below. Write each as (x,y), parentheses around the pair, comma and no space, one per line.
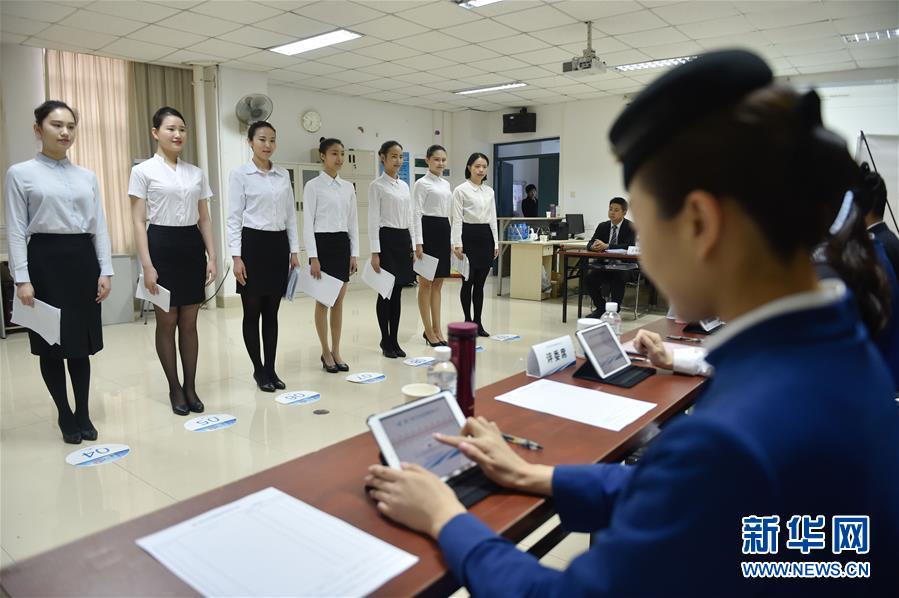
(22,89)
(526,171)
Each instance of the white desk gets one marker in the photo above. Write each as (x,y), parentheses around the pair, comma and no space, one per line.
(529,260)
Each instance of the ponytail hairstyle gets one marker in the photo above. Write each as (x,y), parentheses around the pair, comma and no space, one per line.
(434,148)
(256,125)
(326,144)
(769,151)
(43,111)
(471,160)
(160,115)
(387,146)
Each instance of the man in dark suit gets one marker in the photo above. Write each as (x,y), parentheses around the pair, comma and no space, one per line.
(529,203)
(616,233)
(874,219)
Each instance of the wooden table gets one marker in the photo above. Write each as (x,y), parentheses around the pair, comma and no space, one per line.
(529,260)
(502,224)
(584,254)
(109,563)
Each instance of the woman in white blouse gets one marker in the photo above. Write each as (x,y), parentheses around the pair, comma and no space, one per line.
(331,236)
(176,251)
(59,253)
(433,203)
(474,234)
(390,232)
(262,237)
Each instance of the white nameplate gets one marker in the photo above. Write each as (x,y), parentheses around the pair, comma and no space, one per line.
(550,356)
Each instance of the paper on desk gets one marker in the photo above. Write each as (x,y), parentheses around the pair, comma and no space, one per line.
(162,298)
(621,251)
(41,318)
(271,544)
(591,407)
(460,266)
(324,290)
(381,281)
(629,347)
(426,266)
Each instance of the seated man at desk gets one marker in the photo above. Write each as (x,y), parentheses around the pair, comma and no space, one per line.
(615,233)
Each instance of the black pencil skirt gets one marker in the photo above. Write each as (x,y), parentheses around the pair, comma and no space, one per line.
(435,234)
(477,244)
(179,256)
(64,272)
(396,254)
(266,255)
(334,254)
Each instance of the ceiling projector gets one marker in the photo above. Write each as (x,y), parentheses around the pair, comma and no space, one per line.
(588,63)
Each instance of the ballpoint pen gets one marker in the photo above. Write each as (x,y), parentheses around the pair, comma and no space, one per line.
(528,444)
(687,339)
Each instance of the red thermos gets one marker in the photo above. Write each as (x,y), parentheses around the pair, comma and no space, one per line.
(462,337)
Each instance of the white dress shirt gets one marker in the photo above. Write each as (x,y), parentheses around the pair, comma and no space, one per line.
(691,360)
(389,206)
(44,195)
(473,204)
(432,196)
(612,228)
(171,194)
(329,206)
(262,200)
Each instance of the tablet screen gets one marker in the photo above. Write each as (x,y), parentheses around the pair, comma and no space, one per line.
(411,432)
(609,356)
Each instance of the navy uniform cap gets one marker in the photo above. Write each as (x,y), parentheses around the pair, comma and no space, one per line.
(679,98)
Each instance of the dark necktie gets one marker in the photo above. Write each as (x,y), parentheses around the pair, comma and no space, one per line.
(614,239)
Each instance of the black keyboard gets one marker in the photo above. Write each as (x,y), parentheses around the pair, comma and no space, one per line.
(472,486)
(626,378)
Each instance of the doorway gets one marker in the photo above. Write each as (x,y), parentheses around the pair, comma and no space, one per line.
(519,164)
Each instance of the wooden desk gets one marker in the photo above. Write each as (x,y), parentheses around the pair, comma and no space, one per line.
(529,260)
(109,563)
(502,224)
(565,254)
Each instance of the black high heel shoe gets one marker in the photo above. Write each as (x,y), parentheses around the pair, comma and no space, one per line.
(398,350)
(88,431)
(331,369)
(388,351)
(264,384)
(481,331)
(179,407)
(194,403)
(72,437)
(277,382)
(424,335)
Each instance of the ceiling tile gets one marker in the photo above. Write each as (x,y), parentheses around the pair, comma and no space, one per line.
(389,27)
(533,19)
(349,60)
(94,21)
(353,76)
(77,37)
(625,57)
(867,23)
(414,91)
(718,27)
(480,31)
(688,48)
(472,54)
(387,51)
(515,44)
(392,6)
(681,13)
(36,11)
(197,23)
(875,51)
(384,83)
(244,13)
(190,56)
(826,68)
(574,88)
(502,64)
(323,83)
(509,99)
(310,67)
(653,37)
(552,82)
(339,12)
(354,89)
(179,4)
(569,34)
(546,56)
(460,71)
(256,38)
(163,36)
(439,15)
(36,42)
(628,23)
(756,40)
(800,32)
(286,75)
(795,15)
(269,59)
(484,79)
(432,41)
(386,69)
(586,10)
(12,38)
(821,58)
(22,26)
(601,46)
(421,78)
(217,47)
(137,50)
(287,4)
(384,96)
(295,26)
(854,8)
(501,8)
(447,85)
(527,73)
(878,63)
(808,46)
(751,6)
(361,42)
(534,93)
(622,83)
(246,66)
(146,12)
(424,62)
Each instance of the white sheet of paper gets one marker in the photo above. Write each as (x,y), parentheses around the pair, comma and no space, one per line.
(591,407)
(629,347)
(293,280)
(163,298)
(426,266)
(271,544)
(381,281)
(41,318)
(460,266)
(324,290)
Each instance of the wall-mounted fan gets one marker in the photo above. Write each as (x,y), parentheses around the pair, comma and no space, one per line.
(253,107)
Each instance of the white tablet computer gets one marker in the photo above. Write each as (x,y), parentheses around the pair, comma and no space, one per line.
(603,349)
(405,434)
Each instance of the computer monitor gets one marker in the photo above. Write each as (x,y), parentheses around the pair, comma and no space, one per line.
(575,224)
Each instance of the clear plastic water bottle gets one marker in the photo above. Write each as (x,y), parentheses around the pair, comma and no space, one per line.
(442,372)
(612,317)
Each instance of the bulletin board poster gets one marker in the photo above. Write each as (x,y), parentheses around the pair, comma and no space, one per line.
(405,173)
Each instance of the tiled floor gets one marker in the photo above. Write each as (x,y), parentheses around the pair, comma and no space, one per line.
(44,502)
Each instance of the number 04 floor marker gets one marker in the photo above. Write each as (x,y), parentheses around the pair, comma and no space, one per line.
(98,454)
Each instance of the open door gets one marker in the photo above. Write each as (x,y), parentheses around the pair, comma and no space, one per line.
(548,185)
(504,203)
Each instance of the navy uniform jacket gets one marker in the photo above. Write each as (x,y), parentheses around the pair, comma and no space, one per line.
(799,419)
(890,242)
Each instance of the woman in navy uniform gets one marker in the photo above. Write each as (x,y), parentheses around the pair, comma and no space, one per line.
(59,253)
(799,418)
